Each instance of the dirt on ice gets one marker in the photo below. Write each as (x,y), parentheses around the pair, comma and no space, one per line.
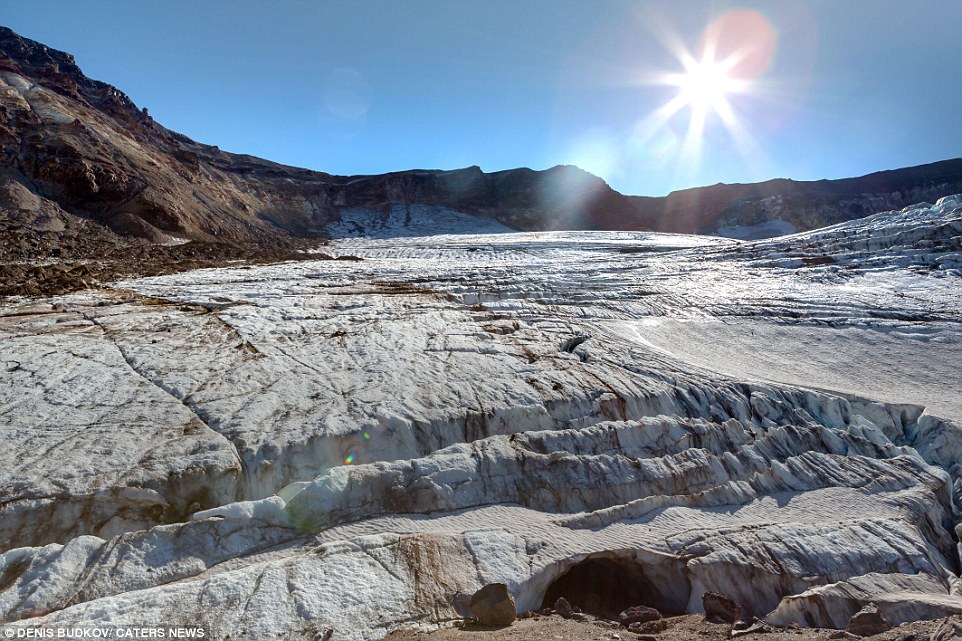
(681,628)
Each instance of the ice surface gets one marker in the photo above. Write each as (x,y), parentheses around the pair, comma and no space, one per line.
(275,451)
(766,229)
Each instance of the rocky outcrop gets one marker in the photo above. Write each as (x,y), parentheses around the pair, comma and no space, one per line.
(78,149)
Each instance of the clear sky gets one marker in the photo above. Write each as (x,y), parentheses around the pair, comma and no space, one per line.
(801,90)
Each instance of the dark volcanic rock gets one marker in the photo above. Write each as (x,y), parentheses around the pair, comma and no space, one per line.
(73,273)
(493,605)
(638,614)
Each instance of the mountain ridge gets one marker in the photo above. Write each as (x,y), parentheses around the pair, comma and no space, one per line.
(82,166)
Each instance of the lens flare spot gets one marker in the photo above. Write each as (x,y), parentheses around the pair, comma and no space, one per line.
(348,459)
(595,151)
(366,436)
(347,95)
(744,41)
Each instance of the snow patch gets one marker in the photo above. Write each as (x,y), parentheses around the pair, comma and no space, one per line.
(410,221)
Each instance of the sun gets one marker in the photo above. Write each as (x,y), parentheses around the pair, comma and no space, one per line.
(713,82)
(705,85)
(703,89)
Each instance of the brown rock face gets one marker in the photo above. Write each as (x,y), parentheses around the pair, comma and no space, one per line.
(76,149)
(809,204)
(494,605)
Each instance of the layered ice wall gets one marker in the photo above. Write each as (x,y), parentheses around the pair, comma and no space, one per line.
(280,451)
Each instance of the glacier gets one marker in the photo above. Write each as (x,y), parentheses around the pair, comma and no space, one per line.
(359,445)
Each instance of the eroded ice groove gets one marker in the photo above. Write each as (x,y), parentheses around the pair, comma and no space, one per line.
(298,396)
(900,597)
(363,445)
(781,544)
(89,444)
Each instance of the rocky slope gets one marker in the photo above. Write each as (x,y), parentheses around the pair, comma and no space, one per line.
(278,451)
(776,207)
(77,148)
(83,170)
(79,161)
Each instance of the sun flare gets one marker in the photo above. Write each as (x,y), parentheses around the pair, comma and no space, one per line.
(705,84)
(717,80)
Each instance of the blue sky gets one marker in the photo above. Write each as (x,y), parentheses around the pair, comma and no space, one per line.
(840,88)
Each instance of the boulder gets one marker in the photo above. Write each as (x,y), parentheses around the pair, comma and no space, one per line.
(493,605)
(867,621)
(638,614)
(562,607)
(651,627)
(719,606)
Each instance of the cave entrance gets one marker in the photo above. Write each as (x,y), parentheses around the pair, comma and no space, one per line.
(605,587)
